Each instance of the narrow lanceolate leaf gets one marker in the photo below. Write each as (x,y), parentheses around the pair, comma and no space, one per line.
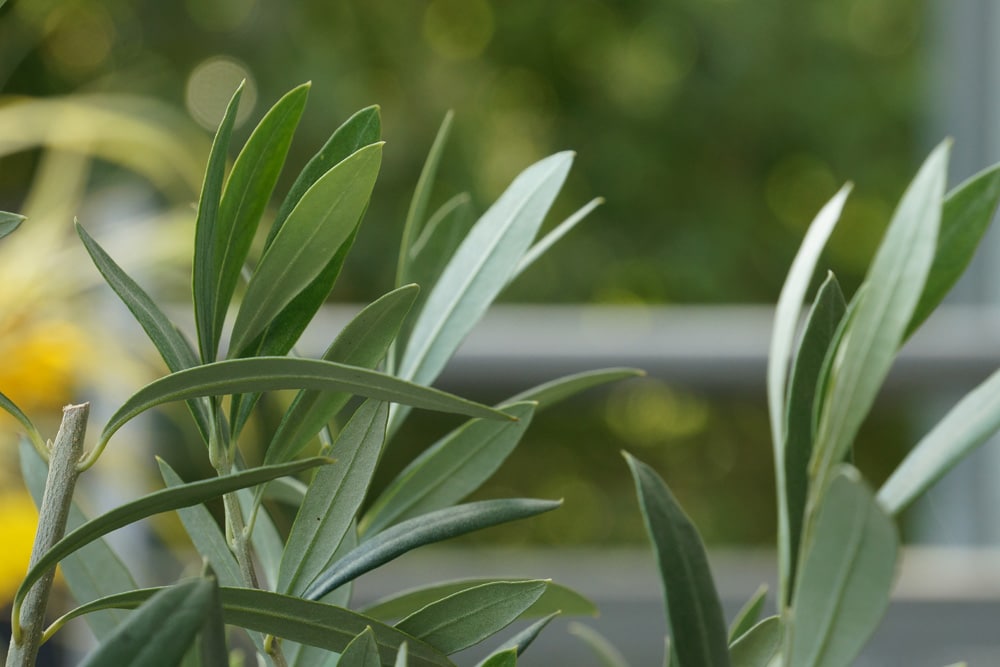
(333,499)
(206,270)
(9,221)
(789,308)
(94,571)
(449,470)
(966,215)
(316,229)
(360,130)
(759,645)
(237,376)
(159,633)
(520,642)
(481,267)
(554,391)
(466,618)
(968,425)
(247,193)
(553,237)
(421,197)
(205,533)
(748,615)
(694,613)
(361,652)
(894,284)
(430,255)
(212,638)
(363,342)
(37,441)
(294,619)
(849,563)
(170,343)
(817,340)
(606,652)
(556,598)
(786,321)
(160,501)
(505,658)
(427,529)
(439,240)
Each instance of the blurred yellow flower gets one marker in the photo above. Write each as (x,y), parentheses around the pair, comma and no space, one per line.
(18,517)
(41,361)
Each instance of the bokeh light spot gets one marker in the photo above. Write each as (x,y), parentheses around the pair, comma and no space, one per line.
(652,413)
(210,87)
(79,38)
(458,29)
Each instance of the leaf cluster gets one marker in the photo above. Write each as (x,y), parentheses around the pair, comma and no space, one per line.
(291,593)
(838,545)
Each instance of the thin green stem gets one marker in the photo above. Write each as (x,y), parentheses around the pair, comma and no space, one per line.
(27,622)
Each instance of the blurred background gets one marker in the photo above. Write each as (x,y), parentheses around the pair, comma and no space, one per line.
(714,129)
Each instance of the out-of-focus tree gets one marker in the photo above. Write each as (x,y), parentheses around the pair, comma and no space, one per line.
(714,128)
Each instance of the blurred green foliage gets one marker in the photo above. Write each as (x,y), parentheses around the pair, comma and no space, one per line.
(715,129)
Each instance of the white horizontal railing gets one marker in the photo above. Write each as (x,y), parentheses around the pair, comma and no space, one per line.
(715,348)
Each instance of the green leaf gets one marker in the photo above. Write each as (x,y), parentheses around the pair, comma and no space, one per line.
(468,617)
(213,648)
(427,529)
(206,270)
(9,221)
(363,342)
(159,633)
(247,193)
(294,619)
(968,425)
(786,322)
(966,215)
(430,255)
(520,642)
(421,197)
(235,376)
(556,598)
(361,652)
(604,650)
(402,656)
(319,225)
(505,658)
(554,391)
(759,645)
(164,500)
(333,499)
(894,284)
(165,336)
(818,339)
(360,130)
(846,576)
(92,572)
(37,441)
(440,238)
(553,237)
(205,533)
(694,613)
(481,267)
(748,615)
(449,470)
